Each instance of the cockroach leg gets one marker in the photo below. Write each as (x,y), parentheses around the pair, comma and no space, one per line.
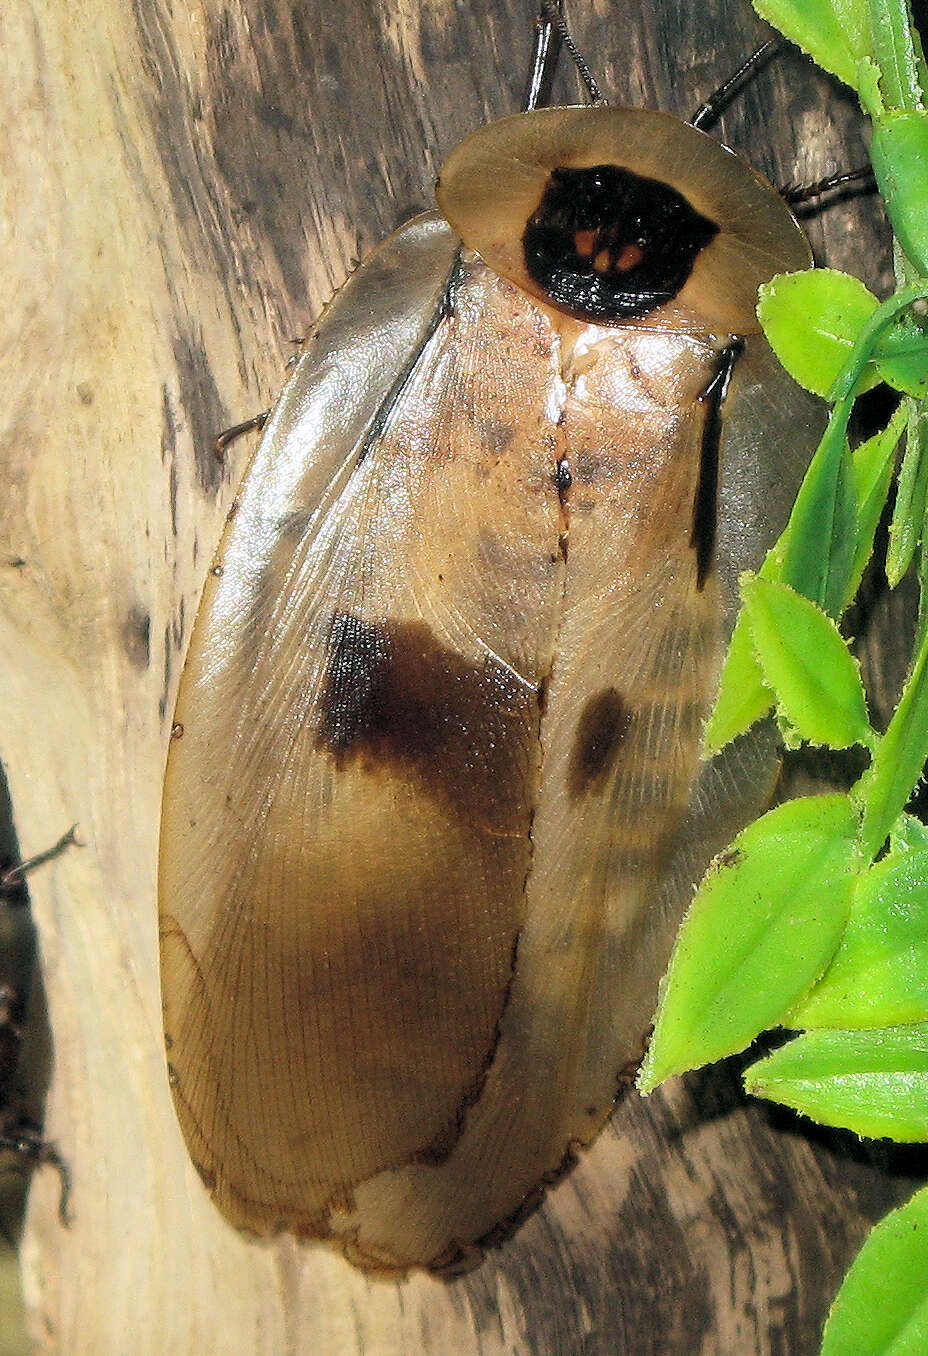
(709,112)
(25,1141)
(294,358)
(230,434)
(544,60)
(13,876)
(799,193)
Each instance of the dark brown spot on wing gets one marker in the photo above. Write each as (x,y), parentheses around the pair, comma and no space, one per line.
(396,698)
(603,725)
(494,435)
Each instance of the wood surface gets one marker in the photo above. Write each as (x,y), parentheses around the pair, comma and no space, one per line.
(187,186)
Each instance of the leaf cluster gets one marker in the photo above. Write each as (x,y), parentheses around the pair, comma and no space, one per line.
(816,917)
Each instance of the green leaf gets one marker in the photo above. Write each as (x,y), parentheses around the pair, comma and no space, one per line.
(872,1082)
(742,697)
(901,358)
(898,54)
(879,974)
(826,507)
(905,530)
(874,333)
(899,155)
(908,834)
(807,664)
(820,544)
(763,925)
(899,758)
(826,504)
(882,1307)
(872,467)
(812,320)
(836,35)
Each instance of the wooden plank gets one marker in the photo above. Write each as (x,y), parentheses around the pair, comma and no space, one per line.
(189,185)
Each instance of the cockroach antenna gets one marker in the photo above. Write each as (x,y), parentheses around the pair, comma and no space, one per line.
(551,33)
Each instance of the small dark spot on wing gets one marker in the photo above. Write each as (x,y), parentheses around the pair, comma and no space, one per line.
(494,435)
(603,725)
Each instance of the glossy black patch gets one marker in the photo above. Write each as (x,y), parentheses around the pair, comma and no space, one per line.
(603,725)
(606,244)
(562,478)
(395,697)
(705,501)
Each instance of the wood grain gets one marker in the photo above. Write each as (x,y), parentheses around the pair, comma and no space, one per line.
(188,184)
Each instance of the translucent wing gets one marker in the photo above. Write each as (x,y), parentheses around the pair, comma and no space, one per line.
(425,835)
(347,812)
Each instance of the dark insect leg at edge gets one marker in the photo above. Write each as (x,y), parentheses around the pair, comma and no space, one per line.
(14,876)
(17,1136)
(230,434)
(799,193)
(26,1142)
(708,112)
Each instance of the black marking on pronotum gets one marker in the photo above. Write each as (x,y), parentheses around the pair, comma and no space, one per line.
(705,500)
(607,244)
